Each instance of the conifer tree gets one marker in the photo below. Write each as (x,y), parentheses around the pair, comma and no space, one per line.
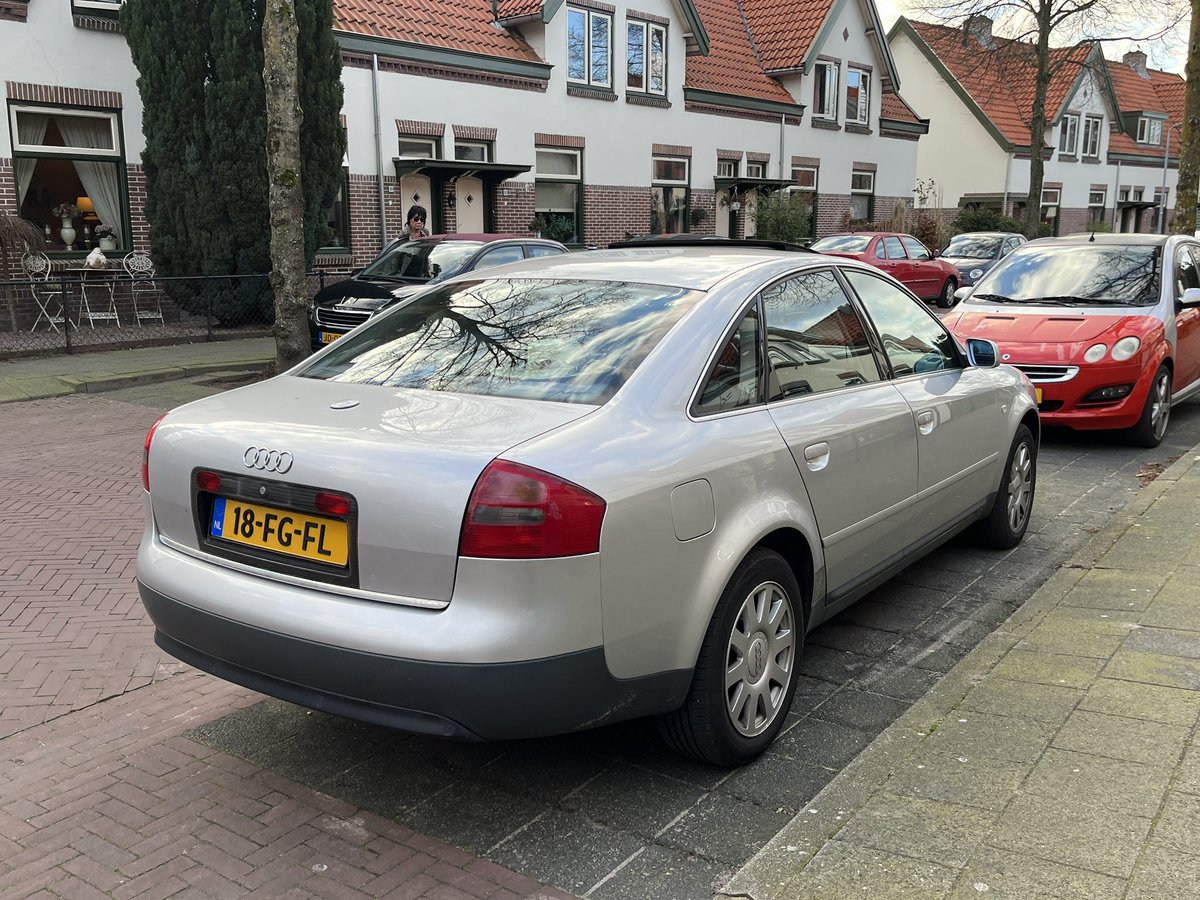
(200,65)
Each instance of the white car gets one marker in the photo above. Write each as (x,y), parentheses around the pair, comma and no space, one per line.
(580,489)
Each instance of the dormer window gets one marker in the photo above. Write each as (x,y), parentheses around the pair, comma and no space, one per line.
(858,96)
(825,91)
(646,49)
(589,47)
(1068,135)
(1149,130)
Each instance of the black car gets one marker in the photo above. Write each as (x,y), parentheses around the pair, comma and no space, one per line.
(404,267)
(974,252)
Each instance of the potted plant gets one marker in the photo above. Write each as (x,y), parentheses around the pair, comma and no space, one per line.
(106,237)
(66,212)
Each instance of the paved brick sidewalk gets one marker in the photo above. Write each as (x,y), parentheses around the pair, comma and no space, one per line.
(101,792)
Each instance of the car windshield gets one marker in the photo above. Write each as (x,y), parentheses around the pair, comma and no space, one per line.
(1075,275)
(968,246)
(569,341)
(842,243)
(422,260)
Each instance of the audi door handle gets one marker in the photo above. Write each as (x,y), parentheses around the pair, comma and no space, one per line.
(926,421)
(816,456)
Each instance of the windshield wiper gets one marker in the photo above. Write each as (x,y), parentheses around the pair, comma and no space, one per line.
(995,298)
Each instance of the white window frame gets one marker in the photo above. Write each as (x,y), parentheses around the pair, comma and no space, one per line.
(574,155)
(756,169)
(1097,204)
(862,114)
(590,79)
(862,174)
(1149,130)
(825,105)
(648,29)
(1051,196)
(485,146)
(98,4)
(1068,134)
(799,171)
(431,144)
(687,170)
(45,150)
(727,168)
(1090,148)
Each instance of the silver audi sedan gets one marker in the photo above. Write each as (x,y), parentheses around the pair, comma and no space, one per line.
(580,489)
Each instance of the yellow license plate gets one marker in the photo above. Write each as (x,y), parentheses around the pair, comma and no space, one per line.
(1038,392)
(328,337)
(281,530)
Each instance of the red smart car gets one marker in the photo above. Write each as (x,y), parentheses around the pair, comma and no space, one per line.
(900,255)
(1107,327)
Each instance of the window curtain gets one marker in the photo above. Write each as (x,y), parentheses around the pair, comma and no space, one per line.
(31,129)
(99,179)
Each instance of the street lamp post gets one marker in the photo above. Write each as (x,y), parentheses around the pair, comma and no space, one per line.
(1162,197)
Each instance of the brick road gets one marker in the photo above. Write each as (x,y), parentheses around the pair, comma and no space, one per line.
(102,794)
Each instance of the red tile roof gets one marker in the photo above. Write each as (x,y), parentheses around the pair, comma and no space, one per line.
(895,108)
(1161,92)
(731,67)
(1003,92)
(511,9)
(784,30)
(454,24)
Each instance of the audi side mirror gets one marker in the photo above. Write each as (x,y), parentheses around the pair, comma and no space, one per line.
(961,294)
(982,354)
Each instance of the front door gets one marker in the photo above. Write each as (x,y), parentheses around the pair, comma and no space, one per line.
(415,190)
(469,205)
(1187,319)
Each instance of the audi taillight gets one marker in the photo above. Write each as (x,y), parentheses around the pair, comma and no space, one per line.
(146,452)
(518,512)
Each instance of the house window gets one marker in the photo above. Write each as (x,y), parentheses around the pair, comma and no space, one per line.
(858,96)
(862,196)
(646,58)
(419,147)
(756,169)
(669,195)
(727,168)
(1097,201)
(474,151)
(72,158)
(1068,135)
(337,216)
(825,91)
(558,194)
(1149,131)
(589,47)
(94,6)
(1091,136)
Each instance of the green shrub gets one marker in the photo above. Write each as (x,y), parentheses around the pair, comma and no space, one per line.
(782,216)
(980,219)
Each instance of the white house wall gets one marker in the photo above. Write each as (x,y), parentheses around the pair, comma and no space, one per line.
(959,154)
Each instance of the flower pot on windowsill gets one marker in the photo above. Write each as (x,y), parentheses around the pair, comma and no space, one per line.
(107,243)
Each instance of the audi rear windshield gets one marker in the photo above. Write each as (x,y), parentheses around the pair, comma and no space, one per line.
(568,341)
(1075,274)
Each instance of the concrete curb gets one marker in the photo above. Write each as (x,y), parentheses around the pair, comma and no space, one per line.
(771,872)
(15,390)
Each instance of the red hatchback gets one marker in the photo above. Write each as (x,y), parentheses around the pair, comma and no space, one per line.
(1106,327)
(900,255)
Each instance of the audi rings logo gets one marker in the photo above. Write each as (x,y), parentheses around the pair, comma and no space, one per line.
(266,460)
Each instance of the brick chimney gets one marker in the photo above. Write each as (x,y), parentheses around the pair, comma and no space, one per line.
(1136,60)
(978,26)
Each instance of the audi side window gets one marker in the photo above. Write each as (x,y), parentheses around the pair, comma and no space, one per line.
(815,340)
(913,339)
(733,380)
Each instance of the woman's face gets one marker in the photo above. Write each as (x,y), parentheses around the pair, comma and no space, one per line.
(416,223)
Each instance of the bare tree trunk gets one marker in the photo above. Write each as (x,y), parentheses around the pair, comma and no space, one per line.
(1189,141)
(1037,122)
(285,197)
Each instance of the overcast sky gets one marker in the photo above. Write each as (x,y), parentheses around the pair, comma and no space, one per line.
(1168,55)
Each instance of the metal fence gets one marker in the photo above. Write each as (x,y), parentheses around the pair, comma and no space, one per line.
(72,311)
